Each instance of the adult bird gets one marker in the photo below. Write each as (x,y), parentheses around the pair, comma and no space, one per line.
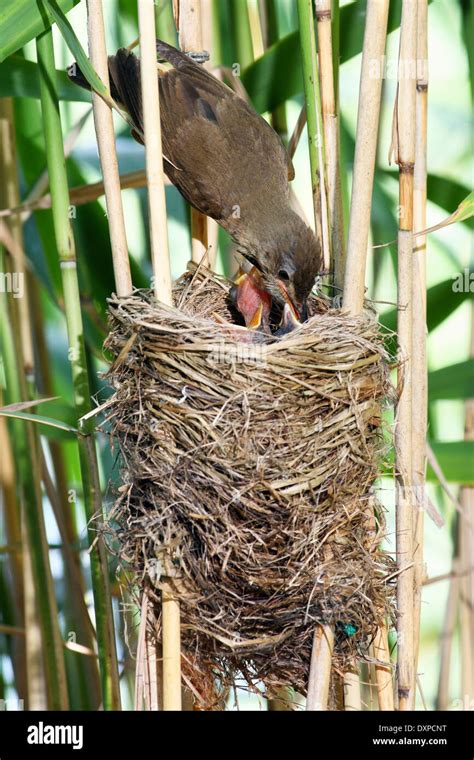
(231,165)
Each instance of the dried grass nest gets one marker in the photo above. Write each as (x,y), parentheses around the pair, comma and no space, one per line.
(248,466)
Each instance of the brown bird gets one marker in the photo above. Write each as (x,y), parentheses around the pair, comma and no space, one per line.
(230,164)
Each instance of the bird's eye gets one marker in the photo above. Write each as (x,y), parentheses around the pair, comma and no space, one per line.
(283,275)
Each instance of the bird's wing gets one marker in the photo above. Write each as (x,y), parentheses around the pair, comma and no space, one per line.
(231,164)
(225,159)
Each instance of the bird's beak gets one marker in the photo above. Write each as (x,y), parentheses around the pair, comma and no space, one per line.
(291,316)
(288,320)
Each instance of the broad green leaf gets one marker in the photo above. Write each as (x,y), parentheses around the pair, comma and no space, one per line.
(19,78)
(456,459)
(441,301)
(23,20)
(455,381)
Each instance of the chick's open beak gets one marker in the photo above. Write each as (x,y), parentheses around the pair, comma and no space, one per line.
(291,316)
(288,321)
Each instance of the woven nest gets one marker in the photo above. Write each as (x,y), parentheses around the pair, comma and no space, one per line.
(248,464)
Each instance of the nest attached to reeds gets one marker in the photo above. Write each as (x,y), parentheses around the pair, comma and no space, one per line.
(248,465)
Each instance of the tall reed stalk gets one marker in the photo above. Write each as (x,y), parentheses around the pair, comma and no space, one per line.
(466,540)
(87,453)
(323,640)
(419,358)
(44,648)
(331,139)
(320,668)
(312,94)
(189,25)
(104,127)
(405,155)
(368,116)
(171,637)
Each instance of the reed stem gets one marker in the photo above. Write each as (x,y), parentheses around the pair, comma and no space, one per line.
(312,93)
(405,121)
(171,651)
(320,668)
(331,139)
(368,117)
(104,128)
(189,25)
(419,358)
(153,151)
(87,453)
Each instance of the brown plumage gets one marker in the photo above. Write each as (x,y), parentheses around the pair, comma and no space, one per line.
(229,164)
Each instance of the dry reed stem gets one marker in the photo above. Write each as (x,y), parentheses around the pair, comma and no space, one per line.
(405,121)
(104,128)
(12,528)
(419,358)
(331,138)
(447,636)
(10,196)
(352,699)
(466,541)
(153,152)
(365,153)
(320,667)
(383,670)
(37,686)
(368,117)
(171,650)
(188,18)
(162,289)
(207,10)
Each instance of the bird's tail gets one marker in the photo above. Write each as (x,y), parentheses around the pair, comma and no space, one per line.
(125,86)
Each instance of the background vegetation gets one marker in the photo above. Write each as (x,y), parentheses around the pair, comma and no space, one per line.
(40,468)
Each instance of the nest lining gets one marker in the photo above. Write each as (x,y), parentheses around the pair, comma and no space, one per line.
(248,466)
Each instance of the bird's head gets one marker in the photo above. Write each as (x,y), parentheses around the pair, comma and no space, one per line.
(291,270)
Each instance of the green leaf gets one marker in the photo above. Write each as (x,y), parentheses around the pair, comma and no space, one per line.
(456,459)
(455,381)
(23,20)
(19,78)
(441,301)
(38,418)
(444,192)
(465,209)
(77,50)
